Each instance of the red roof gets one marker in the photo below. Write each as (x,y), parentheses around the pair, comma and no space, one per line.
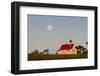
(66,47)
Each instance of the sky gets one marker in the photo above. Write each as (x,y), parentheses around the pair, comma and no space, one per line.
(50,32)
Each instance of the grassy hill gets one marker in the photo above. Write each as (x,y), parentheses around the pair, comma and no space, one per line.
(32,57)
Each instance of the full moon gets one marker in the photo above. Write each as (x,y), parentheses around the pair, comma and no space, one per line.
(49,28)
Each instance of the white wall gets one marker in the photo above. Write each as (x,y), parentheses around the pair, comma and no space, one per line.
(5,33)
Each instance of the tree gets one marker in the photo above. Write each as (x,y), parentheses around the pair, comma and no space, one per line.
(80,48)
(86,43)
(36,52)
(85,50)
(45,51)
(70,41)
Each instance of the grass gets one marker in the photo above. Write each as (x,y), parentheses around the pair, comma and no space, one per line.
(32,57)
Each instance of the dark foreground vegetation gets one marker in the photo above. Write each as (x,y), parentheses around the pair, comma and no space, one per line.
(32,57)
